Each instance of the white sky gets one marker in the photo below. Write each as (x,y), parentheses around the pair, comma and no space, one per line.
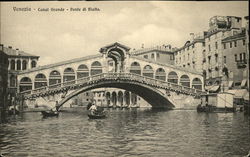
(58,36)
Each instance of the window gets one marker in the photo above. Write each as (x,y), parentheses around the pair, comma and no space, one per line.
(216,45)
(231,45)
(158,55)
(145,56)
(244,56)
(225,59)
(203,44)
(241,57)
(209,48)
(209,59)
(224,45)
(18,65)
(235,43)
(216,58)
(235,57)
(188,56)
(244,42)
(152,55)
(33,64)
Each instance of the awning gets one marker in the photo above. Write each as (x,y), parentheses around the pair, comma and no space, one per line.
(246,96)
(230,84)
(214,88)
(238,93)
(243,83)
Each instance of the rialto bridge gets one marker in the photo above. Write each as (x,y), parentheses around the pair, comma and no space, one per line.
(161,85)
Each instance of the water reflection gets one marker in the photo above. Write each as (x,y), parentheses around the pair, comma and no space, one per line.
(126,133)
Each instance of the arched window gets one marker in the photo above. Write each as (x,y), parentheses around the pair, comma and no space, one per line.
(54,77)
(96,68)
(12,65)
(24,65)
(25,84)
(69,75)
(160,74)
(40,80)
(33,64)
(18,65)
(173,77)
(148,71)
(82,71)
(12,81)
(185,81)
(197,84)
(135,68)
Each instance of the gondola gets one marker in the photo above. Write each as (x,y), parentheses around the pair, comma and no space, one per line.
(49,113)
(97,116)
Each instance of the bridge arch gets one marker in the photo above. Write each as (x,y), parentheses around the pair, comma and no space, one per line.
(173,77)
(197,84)
(150,94)
(135,68)
(96,68)
(82,71)
(40,80)
(185,80)
(25,84)
(148,71)
(160,74)
(54,77)
(68,74)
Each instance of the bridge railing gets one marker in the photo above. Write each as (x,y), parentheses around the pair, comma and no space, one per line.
(126,76)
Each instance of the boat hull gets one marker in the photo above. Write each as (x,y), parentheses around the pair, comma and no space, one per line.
(49,113)
(96,116)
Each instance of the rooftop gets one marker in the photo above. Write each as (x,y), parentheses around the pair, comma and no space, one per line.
(235,37)
(150,49)
(16,52)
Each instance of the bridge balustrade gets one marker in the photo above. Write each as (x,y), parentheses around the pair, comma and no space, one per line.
(124,76)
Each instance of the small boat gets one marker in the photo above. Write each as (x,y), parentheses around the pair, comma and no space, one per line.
(49,113)
(97,116)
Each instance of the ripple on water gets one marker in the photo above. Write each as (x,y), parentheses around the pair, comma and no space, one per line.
(127,133)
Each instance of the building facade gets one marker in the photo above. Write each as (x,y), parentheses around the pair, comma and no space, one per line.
(3,81)
(17,61)
(162,54)
(219,53)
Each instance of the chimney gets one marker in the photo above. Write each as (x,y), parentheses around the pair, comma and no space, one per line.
(10,47)
(142,46)
(192,36)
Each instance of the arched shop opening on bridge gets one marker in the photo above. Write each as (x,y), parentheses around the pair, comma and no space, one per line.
(197,84)
(148,71)
(54,77)
(82,71)
(40,81)
(69,75)
(25,84)
(96,68)
(173,77)
(160,74)
(185,81)
(135,68)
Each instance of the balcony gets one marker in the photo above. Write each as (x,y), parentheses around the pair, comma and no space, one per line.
(241,64)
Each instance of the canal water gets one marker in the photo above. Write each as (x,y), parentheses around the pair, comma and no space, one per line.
(138,132)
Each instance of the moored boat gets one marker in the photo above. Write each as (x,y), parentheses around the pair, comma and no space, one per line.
(216,102)
(49,113)
(96,116)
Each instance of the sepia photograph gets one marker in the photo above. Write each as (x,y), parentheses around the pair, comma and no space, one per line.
(124,79)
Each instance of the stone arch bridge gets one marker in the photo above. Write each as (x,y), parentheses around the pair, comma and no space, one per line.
(161,85)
